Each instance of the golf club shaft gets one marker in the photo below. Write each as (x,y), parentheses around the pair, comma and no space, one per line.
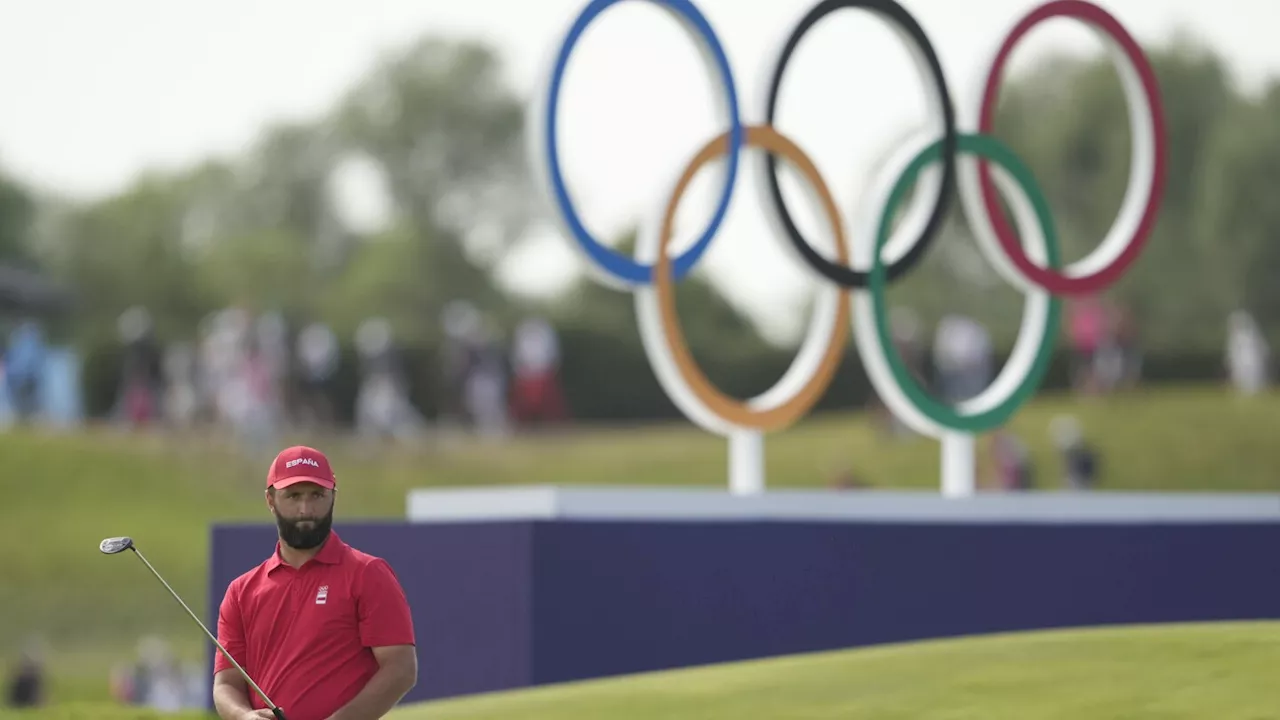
(226,654)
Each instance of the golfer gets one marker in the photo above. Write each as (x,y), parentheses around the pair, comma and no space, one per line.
(321,627)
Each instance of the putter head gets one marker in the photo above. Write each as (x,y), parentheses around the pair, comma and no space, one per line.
(112,546)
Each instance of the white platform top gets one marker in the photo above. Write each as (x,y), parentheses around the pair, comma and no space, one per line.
(703,504)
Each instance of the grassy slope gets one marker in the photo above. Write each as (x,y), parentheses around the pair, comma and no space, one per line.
(1131,673)
(64,493)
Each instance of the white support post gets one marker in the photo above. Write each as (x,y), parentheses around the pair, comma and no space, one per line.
(746,462)
(959,465)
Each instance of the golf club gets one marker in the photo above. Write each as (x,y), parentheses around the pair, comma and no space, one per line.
(117,545)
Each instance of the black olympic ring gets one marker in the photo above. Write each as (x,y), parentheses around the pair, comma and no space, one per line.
(840,274)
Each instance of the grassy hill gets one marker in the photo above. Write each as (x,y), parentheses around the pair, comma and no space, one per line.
(1165,672)
(63,493)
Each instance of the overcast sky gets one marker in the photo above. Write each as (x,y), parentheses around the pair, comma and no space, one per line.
(96,91)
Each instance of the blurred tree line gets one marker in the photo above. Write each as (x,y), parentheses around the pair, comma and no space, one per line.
(263,230)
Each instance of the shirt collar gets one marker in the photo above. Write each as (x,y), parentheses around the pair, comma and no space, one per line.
(330,553)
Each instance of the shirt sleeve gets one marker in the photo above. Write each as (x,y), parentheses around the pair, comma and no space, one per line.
(383,608)
(230,631)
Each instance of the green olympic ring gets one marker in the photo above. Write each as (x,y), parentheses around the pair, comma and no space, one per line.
(1042,317)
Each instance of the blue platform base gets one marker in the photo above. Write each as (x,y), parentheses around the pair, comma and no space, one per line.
(514,603)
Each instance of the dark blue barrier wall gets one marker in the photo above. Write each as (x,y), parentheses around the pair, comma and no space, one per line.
(509,604)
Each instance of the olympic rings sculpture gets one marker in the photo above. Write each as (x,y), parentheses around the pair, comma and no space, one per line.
(972,161)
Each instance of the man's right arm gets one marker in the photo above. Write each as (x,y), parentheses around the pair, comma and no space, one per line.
(230,691)
(231,698)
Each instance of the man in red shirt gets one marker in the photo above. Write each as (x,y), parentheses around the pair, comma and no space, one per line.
(321,627)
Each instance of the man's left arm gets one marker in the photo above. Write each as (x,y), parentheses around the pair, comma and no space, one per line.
(397,674)
(386,626)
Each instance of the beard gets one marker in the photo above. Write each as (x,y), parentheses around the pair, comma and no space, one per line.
(307,538)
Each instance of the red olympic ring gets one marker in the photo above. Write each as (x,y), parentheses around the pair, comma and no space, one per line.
(1068,283)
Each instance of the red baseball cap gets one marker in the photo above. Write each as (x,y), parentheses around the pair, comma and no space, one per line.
(301,464)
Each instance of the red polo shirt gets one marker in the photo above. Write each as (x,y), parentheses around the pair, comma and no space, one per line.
(306,635)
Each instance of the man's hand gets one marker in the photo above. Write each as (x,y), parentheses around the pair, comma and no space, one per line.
(258,715)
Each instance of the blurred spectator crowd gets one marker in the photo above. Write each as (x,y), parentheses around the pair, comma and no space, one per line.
(255,376)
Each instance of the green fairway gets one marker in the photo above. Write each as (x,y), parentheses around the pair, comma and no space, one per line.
(63,493)
(1170,673)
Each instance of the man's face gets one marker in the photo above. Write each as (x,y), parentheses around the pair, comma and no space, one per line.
(304,514)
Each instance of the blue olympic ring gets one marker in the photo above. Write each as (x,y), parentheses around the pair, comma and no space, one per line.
(610,261)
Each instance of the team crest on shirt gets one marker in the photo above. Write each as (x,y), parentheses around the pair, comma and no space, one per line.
(322,595)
